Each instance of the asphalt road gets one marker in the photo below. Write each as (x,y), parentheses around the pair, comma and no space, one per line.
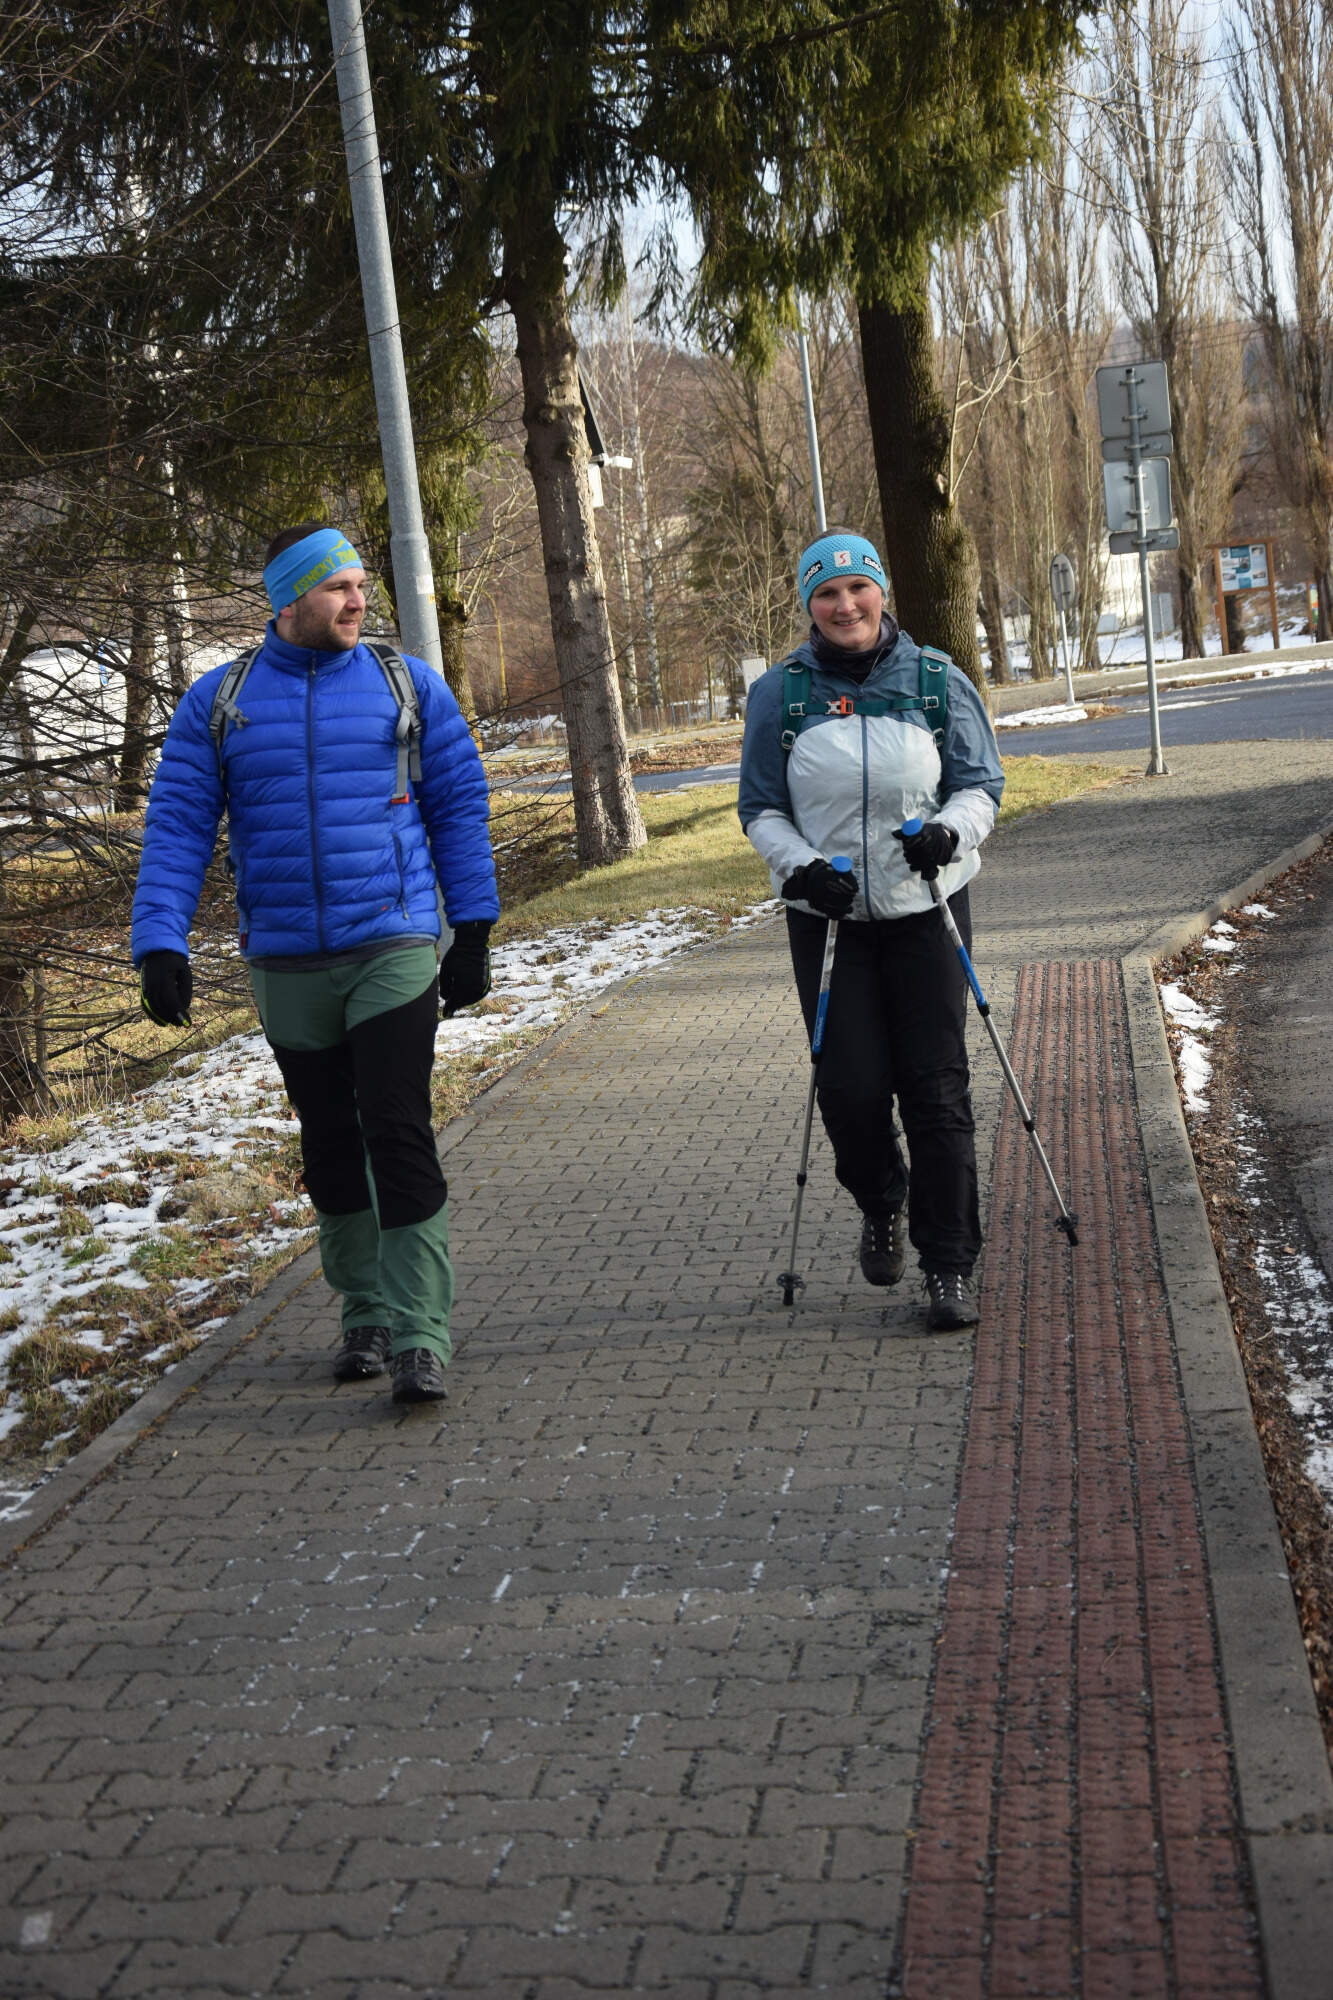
(1241,711)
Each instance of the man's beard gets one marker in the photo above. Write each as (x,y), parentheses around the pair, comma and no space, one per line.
(318,630)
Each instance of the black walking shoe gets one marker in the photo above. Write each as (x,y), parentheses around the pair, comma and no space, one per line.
(364,1352)
(953,1301)
(883,1251)
(418,1376)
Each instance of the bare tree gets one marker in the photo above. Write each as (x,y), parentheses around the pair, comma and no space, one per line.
(752,508)
(1280,188)
(1163,154)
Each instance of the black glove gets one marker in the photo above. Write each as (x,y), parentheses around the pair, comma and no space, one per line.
(831,891)
(166,985)
(930,849)
(465,971)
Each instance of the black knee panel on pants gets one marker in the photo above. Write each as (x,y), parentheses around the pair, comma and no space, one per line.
(321,1091)
(371,1095)
(392,1057)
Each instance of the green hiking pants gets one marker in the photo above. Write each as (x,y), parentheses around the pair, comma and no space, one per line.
(355,1044)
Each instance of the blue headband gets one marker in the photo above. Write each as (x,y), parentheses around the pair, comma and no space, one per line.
(837,555)
(306,563)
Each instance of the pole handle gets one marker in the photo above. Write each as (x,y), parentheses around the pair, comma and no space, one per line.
(842,866)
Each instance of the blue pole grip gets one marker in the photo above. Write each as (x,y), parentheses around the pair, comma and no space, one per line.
(909,827)
(817,1039)
(841,866)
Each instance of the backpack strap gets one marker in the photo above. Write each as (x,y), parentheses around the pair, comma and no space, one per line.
(795,697)
(932,697)
(226,713)
(935,690)
(407,731)
(224,709)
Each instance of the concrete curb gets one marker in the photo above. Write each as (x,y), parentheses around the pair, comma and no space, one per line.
(1282,1766)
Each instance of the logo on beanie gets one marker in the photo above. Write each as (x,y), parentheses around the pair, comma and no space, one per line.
(869,561)
(811,569)
(842,558)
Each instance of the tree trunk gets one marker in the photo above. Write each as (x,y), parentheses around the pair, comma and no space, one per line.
(929,551)
(1191,628)
(16,1082)
(607,822)
(1233,635)
(131,786)
(991,611)
(13,694)
(1041,633)
(654,674)
(453,623)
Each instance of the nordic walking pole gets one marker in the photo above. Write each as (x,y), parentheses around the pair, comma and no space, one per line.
(788,1279)
(1064,1220)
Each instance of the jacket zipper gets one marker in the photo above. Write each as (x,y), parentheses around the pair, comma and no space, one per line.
(865,815)
(310,798)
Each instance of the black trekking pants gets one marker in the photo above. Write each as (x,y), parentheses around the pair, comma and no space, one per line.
(896,1029)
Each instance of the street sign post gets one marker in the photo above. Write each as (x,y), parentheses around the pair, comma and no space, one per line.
(1134,405)
(1064,591)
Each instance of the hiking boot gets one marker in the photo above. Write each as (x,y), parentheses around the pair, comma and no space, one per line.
(953,1301)
(364,1352)
(418,1376)
(883,1251)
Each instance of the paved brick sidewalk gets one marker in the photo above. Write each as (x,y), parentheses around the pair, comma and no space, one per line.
(636,1673)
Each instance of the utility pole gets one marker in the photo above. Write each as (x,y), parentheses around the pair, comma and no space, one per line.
(409,551)
(812,434)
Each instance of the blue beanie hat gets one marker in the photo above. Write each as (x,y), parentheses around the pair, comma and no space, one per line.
(837,554)
(307,562)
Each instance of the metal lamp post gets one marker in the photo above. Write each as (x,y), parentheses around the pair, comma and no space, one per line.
(812,433)
(409,551)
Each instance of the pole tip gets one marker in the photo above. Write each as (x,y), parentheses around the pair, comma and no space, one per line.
(1067,1223)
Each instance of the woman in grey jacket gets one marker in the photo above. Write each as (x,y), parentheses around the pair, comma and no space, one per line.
(866,755)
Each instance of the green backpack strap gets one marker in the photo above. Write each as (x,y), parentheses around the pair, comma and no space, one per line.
(795,697)
(935,690)
(932,696)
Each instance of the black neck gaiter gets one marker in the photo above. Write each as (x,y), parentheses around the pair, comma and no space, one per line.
(853,666)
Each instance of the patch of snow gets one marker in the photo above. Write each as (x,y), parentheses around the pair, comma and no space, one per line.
(1194,1023)
(1041,718)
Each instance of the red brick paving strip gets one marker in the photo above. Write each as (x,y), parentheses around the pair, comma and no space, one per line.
(1076,1830)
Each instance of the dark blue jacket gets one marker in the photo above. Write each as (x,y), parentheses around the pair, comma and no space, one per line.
(326,862)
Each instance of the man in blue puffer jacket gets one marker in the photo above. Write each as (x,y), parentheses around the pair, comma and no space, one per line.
(337,868)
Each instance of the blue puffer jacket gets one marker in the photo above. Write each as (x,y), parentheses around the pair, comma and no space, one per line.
(325,861)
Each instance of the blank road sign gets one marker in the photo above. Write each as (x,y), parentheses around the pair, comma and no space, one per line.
(1140,387)
(1152,444)
(1064,584)
(1121,500)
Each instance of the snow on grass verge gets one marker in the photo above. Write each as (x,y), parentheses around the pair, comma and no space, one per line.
(1297,1298)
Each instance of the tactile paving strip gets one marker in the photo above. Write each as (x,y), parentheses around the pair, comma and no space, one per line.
(1076,1829)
